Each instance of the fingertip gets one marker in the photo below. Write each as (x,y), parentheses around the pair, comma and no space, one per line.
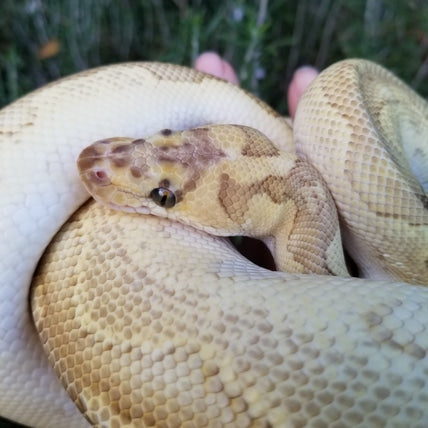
(300,81)
(212,63)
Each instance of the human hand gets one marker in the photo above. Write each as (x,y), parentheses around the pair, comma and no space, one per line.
(211,63)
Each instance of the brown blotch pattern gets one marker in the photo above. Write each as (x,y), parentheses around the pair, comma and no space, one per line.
(136,172)
(256,146)
(139,142)
(89,157)
(124,148)
(196,153)
(121,161)
(189,155)
(402,217)
(316,211)
(376,324)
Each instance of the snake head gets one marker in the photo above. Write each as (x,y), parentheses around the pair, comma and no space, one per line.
(149,176)
(223,179)
(106,170)
(188,176)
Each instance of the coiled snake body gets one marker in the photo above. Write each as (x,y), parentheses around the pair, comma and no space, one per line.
(153,322)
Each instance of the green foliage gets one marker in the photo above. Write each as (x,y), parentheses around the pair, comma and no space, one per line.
(265,40)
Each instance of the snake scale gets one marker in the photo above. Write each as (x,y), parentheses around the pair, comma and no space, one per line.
(152,322)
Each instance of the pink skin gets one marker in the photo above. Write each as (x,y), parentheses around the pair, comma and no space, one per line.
(211,63)
(302,77)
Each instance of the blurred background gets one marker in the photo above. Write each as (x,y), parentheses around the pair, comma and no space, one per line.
(42,40)
(265,40)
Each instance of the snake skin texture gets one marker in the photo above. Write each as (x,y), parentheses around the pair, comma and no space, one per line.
(370,165)
(165,325)
(139,337)
(246,185)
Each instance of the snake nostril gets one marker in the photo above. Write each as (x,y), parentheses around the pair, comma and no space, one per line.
(100,177)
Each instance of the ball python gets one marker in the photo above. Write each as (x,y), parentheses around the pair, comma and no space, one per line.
(246,185)
(153,322)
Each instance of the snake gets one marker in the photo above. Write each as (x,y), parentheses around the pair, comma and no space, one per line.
(149,317)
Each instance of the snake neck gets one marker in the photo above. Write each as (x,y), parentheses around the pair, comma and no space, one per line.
(307,237)
(312,255)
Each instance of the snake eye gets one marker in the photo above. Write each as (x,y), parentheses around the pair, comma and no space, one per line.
(163,197)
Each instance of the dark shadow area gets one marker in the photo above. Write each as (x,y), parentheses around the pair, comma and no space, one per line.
(6,423)
(255,251)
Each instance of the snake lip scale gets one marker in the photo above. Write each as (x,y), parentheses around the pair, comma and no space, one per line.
(151,320)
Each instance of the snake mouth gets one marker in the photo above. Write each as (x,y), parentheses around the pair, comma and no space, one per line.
(128,208)
(123,199)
